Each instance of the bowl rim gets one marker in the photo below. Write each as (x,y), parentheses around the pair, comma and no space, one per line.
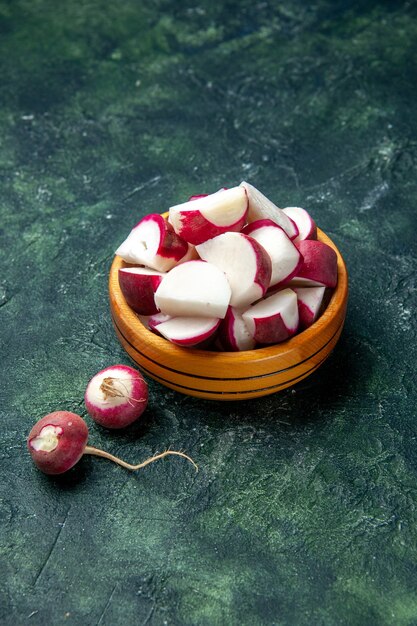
(159,345)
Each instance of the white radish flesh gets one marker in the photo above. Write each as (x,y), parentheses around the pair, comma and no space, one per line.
(298,281)
(188,331)
(195,288)
(307,228)
(260,207)
(234,334)
(310,300)
(274,319)
(153,243)
(154,321)
(244,261)
(285,257)
(208,216)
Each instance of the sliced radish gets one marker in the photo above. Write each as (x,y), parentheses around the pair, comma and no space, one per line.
(153,243)
(188,331)
(274,319)
(319,268)
(208,216)
(245,263)
(138,285)
(260,207)
(195,288)
(154,321)
(233,332)
(307,228)
(285,257)
(310,300)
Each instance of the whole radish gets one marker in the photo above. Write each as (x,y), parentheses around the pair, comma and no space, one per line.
(116,396)
(59,440)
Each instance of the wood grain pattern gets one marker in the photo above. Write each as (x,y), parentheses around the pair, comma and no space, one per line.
(230,375)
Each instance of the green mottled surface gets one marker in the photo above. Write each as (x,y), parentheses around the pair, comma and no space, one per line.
(305,507)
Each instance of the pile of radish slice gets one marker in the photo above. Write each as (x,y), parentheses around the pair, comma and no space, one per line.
(228,271)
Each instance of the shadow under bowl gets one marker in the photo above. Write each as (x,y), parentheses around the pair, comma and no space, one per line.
(230,375)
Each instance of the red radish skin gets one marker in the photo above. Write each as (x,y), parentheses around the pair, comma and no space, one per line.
(260,207)
(197,197)
(319,268)
(285,257)
(273,319)
(310,300)
(307,228)
(307,317)
(263,261)
(206,217)
(196,229)
(116,396)
(245,263)
(57,442)
(234,335)
(188,331)
(138,285)
(153,243)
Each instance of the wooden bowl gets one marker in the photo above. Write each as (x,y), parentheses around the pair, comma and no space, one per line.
(230,375)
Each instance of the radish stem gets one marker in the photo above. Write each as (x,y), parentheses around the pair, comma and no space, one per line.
(129,466)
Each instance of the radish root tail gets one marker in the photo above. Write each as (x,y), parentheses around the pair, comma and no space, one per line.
(129,466)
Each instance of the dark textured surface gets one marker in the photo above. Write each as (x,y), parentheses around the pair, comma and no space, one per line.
(304,509)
